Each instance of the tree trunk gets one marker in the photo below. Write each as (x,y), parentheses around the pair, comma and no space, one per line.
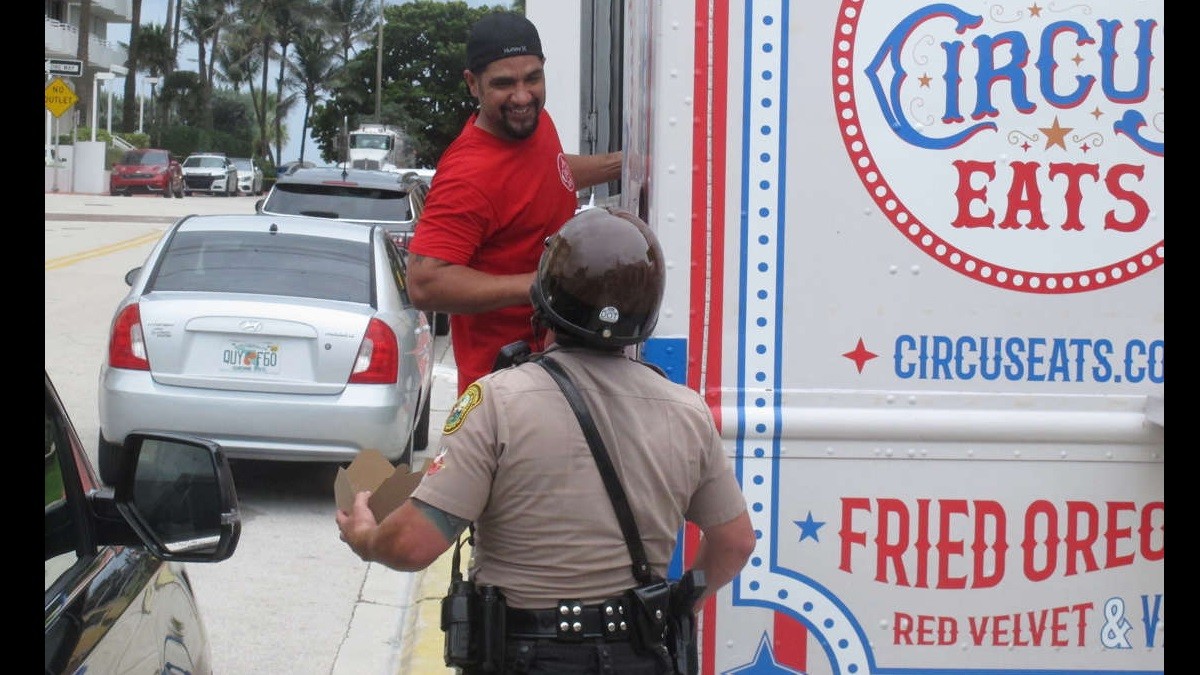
(129,111)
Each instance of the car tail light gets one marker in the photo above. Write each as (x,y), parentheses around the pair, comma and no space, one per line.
(126,345)
(378,358)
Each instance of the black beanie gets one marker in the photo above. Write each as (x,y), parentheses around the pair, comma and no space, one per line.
(500,35)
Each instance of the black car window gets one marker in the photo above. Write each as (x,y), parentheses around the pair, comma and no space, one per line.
(62,532)
(268,263)
(345,202)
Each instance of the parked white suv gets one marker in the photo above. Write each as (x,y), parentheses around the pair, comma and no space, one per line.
(209,172)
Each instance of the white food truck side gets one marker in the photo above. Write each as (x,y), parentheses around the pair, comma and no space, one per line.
(915,259)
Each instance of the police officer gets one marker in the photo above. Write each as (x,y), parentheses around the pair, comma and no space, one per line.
(514,461)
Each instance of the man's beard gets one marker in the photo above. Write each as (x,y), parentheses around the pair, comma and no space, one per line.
(520,130)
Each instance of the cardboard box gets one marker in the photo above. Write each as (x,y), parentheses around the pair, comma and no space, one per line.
(389,485)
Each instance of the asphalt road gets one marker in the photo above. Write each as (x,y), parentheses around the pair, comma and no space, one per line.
(293,599)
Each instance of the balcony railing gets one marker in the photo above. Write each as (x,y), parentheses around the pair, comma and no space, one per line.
(63,39)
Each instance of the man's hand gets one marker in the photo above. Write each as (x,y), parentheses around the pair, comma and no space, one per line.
(358,526)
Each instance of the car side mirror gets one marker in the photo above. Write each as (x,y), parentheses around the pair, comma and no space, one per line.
(174,494)
(179,494)
(258,205)
(131,276)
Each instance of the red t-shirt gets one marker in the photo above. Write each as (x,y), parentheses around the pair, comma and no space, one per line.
(491,206)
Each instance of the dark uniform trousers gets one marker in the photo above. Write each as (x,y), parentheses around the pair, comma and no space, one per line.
(547,656)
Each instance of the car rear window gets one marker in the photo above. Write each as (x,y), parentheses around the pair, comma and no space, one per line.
(204,162)
(143,158)
(260,262)
(345,202)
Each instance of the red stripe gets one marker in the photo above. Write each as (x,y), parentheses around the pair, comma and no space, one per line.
(790,642)
(707,215)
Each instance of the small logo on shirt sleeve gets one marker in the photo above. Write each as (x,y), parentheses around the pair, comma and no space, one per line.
(469,399)
(564,173)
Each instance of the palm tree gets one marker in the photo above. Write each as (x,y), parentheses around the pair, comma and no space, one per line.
(314,66)
(155,57)
(203,20)
(292,18)
(154,50)
(237,58)
(131,63)
(354,21)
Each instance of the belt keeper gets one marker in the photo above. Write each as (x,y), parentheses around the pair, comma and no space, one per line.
(614,618)
(570,620)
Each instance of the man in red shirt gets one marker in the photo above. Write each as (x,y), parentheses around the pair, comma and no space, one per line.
(501,188)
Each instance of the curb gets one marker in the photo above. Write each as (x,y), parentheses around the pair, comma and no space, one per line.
(421,640)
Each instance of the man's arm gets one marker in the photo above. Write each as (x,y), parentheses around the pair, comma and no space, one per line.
(589,170)
(409,539)
(437,286)
(724,550)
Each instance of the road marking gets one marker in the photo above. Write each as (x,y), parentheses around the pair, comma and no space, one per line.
(64,261)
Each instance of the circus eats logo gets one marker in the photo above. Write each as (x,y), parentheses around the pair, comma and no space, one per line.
(1022,147)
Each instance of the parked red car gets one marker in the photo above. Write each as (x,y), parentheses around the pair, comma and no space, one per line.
(150,170)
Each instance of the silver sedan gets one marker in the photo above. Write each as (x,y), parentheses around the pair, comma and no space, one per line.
(281,338)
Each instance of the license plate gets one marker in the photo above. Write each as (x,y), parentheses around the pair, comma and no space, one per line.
(251,357)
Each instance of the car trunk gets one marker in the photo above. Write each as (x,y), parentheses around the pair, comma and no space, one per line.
(254,343)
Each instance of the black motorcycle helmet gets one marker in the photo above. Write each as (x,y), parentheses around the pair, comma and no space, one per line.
(600,279)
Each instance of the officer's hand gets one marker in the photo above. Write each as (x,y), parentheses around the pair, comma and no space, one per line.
(358,525)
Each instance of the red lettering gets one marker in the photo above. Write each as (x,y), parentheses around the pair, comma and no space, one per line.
(1081,536)
(1037,628)
(1141,210)
(930,630)
(989,516)
(958,544)
(922,544)
(1073,196)
(978,630)
(848,534)
(1030,629)
(1040,510)
(1147,529)
(902,627)
(947,546)
(1024,196)
(1114,535)
(966,194)
(887,550)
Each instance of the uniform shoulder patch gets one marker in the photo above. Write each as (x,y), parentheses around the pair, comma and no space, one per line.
(469,399)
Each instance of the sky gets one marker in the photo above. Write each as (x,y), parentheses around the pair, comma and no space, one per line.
(155,11)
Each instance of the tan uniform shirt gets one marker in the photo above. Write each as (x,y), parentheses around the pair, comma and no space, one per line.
(514,460)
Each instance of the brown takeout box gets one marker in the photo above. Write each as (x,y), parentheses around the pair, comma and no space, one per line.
(370,470)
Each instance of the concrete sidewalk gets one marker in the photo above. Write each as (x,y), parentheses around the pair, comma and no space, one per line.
(396,623)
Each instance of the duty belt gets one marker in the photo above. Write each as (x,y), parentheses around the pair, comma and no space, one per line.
(571,621)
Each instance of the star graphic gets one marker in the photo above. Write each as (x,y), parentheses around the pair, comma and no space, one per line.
(1056,135)
(808,527)
(1035,10)
(1096,113)
(1077,59)
(924,80)
(860,355)
(764,663)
